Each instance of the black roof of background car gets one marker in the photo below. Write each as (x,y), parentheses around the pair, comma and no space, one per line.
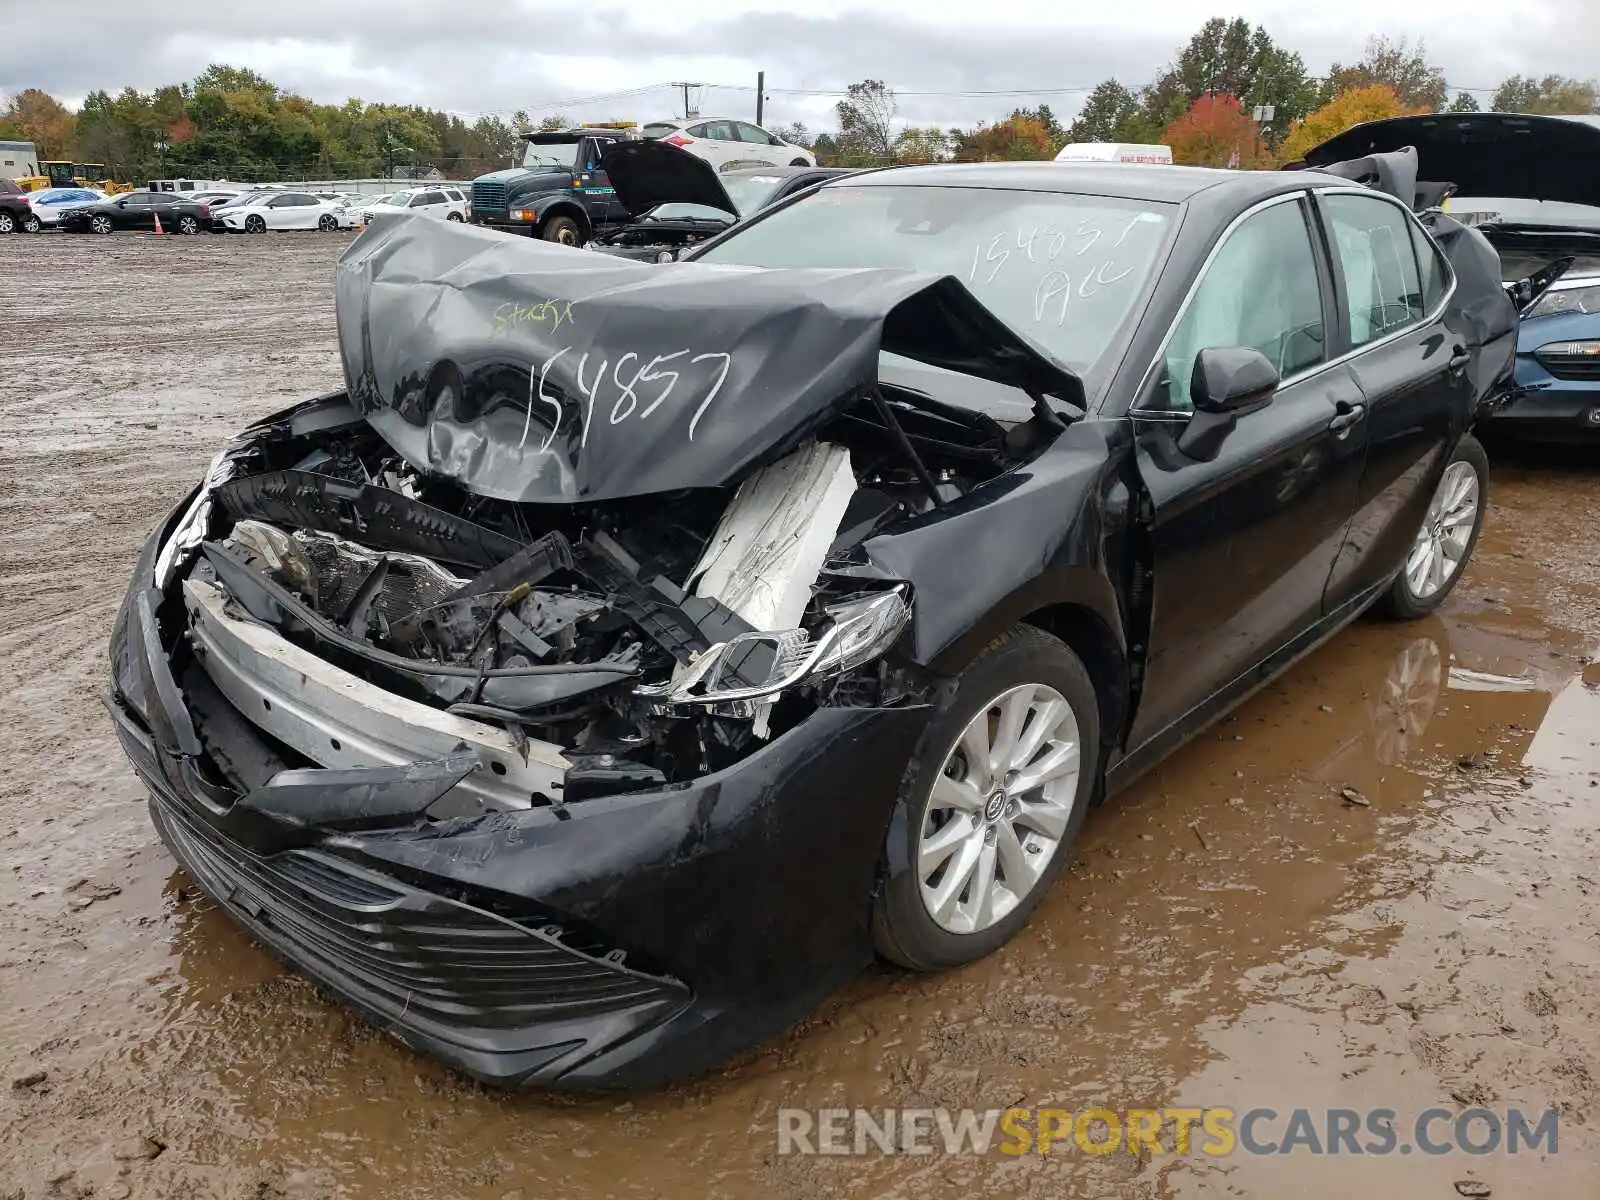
(1149,182)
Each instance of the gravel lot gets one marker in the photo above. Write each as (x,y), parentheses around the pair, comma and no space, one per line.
(1231,931)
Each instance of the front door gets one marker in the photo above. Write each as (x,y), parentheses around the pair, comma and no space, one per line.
(136,211)
(1243,542)
(599,197)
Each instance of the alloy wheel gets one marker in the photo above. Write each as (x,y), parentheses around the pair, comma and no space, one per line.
(188,225)
(8,223)
(1441,544)
(999,808)
(101,224)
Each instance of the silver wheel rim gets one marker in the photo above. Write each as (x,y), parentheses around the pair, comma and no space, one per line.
(999,809)
(102,225)
(1441,544)
(187,225)
(7,223)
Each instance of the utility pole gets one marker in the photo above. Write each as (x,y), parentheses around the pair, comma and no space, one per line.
(686,86)
(761,93)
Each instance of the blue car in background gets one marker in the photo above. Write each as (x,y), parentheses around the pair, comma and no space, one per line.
(1531,186)
(1558,366)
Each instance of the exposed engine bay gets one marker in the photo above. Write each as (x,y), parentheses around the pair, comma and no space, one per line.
(642,641)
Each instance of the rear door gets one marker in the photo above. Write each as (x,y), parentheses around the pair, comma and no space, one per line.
(716,142)
(1243,542)
(755,146)
(1391,283)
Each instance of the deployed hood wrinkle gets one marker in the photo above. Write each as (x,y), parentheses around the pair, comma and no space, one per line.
(526,371)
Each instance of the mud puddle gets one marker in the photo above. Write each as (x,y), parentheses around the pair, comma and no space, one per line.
(1233,931)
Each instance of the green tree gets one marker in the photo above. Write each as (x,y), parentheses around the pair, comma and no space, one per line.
(40,118)
(1553,95)
(866,123)
(1230,58)
(1465,102)
(1420,85)
(1112,113)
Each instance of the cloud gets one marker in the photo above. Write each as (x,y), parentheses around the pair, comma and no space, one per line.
(498,58)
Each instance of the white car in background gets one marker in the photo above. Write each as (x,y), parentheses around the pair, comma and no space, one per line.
(729,144)
(284,210)
(447,203)
(49,203)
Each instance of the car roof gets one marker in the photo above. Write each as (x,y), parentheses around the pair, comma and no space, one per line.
(1150,182)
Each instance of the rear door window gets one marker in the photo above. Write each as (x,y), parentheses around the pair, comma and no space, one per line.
(1378,264)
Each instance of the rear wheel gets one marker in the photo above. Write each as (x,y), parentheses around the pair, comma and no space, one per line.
(799,162)
(8,223)
(255,223)
(563,230)
(1446,538)
(188,225)
(31,223)
(455,216)
(991,803)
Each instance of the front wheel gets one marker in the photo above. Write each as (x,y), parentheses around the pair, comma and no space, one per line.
(31,223)
(1446,538)
(327,222)
(100,223)
(990,804)
(799,162)
(563,230)
(255,223)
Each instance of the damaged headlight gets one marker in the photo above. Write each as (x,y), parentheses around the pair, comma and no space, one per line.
(858,631)
(191,530)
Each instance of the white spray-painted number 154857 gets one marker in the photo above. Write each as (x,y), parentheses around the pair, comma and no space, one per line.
(626,375)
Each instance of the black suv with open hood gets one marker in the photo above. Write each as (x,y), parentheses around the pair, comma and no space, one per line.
(627,653)
(676,199)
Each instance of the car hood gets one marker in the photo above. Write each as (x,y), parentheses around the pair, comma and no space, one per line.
(1485,154)
(649,173)
(530,372)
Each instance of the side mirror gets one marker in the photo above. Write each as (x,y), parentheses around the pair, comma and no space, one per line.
(1230,379)
(1227,381)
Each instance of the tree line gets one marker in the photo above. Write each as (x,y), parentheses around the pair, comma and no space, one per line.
(1202,105)
(232,123)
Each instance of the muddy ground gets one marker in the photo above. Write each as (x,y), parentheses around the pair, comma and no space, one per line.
(1231,931)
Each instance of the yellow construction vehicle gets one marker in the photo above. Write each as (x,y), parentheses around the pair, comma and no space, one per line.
(71,174)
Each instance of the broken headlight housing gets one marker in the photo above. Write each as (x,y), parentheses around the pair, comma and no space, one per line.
(192,528)
(857,632)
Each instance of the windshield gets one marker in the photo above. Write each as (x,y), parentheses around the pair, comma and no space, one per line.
(63,195)
(550,154)
(1063,270)
(398,200)
(680,211)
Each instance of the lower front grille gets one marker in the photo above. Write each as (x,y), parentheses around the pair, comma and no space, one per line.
(422,958)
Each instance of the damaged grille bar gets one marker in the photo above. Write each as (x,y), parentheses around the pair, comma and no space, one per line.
(339,720)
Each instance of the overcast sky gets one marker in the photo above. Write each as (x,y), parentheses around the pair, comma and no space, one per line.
(508,54)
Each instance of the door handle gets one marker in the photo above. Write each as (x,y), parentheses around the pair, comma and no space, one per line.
(1459,360)
(1346,417)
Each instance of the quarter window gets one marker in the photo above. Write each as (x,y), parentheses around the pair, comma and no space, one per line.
(1435,273)
(1378,263)
(1260,291)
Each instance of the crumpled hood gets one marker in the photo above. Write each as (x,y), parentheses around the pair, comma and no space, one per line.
(527,371)
(1485,154)
(648,173)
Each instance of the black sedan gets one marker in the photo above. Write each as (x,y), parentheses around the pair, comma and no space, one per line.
(677,199)
(631,652)
(138,210)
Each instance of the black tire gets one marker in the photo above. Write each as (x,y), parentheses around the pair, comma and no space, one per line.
(799,162)
(101,224)
(563,230)
(903,930)
(327,222)
(255,223)
(8,223)
(1402,602)
(455,216)
(187,225)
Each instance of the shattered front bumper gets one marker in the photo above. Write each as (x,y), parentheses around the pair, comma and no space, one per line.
(616,944)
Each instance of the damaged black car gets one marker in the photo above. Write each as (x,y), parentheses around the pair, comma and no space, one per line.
(628,653)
